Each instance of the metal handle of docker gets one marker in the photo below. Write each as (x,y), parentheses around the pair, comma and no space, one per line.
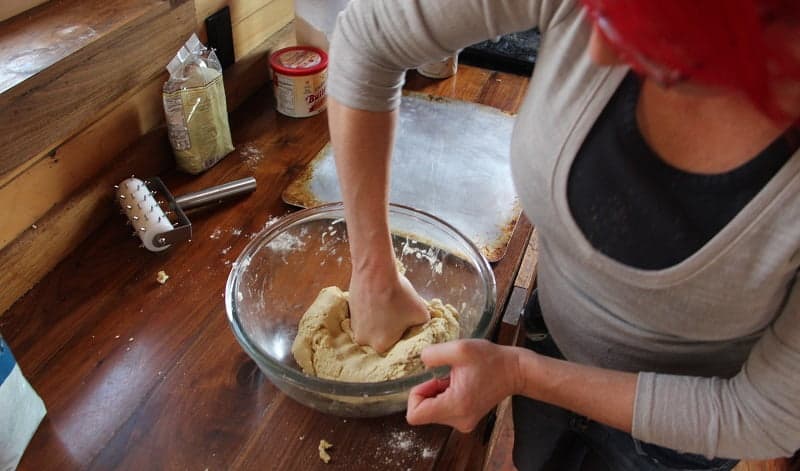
(216,193)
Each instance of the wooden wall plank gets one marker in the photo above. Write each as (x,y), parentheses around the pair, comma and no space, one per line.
(10,8)
(252,71)
(45,110)
(240,9)
(265,22)
(37,250)
(53,178)
(42,183)
(45,36)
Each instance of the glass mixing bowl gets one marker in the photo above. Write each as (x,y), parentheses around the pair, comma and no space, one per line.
(281,271)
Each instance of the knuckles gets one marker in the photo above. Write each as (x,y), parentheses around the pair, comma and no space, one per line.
(465,425)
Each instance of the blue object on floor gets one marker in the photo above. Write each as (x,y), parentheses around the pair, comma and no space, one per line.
(21,410)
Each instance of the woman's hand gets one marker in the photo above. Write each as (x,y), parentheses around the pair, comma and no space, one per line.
(381,311)
(481,375)
(382,303)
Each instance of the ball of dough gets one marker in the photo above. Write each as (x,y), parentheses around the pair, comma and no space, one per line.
(324,345)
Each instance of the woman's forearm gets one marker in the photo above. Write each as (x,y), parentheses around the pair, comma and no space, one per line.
(362,143)
(602,395)
(382,303)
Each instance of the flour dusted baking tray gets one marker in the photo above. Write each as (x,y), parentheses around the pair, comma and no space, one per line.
(450,159)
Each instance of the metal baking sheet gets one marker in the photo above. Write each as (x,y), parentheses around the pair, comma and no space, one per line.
(450,159)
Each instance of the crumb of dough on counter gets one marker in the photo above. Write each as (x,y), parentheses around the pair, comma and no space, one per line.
(323,451)
(162,277)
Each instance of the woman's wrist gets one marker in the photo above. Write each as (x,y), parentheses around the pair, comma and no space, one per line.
(518,370)
(606,396)
(374,260)
(534,379)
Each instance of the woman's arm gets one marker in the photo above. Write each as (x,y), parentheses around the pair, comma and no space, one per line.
(375,41)
(382,302)
(482,374)
(603,395)
(754,415)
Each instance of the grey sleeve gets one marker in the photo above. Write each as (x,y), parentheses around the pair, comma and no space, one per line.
(754,415)
(375,41)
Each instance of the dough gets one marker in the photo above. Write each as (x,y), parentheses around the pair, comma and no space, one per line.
(324,345)
(162,277)
(323,448)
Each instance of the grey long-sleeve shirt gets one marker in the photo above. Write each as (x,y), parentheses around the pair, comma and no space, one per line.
(716,338)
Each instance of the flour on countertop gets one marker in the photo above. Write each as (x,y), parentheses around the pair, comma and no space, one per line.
(406,440)
(251,155)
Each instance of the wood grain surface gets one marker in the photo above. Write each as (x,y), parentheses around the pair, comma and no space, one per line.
(47,91)
(66,196)
(43,182)
(139,375)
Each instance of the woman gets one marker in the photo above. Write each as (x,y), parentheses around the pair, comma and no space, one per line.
(662,171)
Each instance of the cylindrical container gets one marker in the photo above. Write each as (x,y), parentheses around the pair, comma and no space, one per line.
(440,69)
(299,75)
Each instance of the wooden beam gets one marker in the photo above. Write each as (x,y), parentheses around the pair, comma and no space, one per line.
(67,76)
(35,188)
(240,9)
(38,249)
(43,246)
(251,72)
(11,8)
(262,23)
(53,178)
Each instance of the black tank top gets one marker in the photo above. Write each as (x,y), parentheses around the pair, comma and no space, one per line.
(641,211)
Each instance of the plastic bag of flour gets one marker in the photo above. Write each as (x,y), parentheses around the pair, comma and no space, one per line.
(195,108)
(21,410)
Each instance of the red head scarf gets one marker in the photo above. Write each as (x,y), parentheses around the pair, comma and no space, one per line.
(752,46)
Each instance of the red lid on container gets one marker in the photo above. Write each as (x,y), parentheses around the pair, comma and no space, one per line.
(299,60)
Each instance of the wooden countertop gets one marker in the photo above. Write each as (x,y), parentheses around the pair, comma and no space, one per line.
(138,375)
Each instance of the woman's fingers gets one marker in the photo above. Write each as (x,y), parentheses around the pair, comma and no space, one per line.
(443,354)
(426,402)
(381,311)
(431,388)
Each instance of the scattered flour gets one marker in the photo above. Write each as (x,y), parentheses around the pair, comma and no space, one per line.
(251,155)
(431,255)
(406,440)
(269,223)
(402,440)
(286,242)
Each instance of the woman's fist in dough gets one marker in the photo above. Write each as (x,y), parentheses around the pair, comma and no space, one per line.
(382,310)
(481,375)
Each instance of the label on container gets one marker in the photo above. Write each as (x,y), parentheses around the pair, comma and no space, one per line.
(300,96)
(197,123)
(176,122)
